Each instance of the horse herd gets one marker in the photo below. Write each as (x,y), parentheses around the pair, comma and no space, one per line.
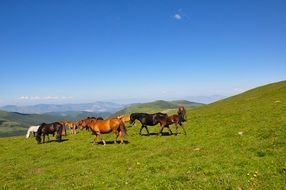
(99,126)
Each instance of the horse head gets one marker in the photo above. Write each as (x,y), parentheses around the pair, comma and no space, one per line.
(133,117)
(82,124)
(38,139)
(182,113)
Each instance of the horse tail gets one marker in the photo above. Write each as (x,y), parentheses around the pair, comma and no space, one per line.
(122,128)
(59,128)
(28,133)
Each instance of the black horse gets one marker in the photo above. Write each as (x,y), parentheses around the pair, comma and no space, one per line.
(148,120)
(52,128)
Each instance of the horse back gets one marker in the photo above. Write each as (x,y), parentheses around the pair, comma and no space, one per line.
(105,126)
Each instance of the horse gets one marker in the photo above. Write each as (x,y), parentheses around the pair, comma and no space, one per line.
(148,120)
(99,127)
(174,119)
(46,129)
(70,124)
(32,129)
(87,119)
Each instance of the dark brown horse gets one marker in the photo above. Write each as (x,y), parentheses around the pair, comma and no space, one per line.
(46,129)
(174,119)
(148,120)
(99,127)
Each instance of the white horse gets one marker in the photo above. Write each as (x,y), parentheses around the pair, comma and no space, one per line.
(32,129)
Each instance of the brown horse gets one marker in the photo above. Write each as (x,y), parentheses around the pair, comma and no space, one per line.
(70,124)
(99,127)
(84,122)
(174,119)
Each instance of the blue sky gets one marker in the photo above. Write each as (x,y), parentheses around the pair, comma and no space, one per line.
(57,51)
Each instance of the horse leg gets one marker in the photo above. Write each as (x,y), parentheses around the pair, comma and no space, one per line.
(183,129)
(44,138)
(121,138)
(141,130)
(169,130)
(116,133)
(94,140)
(176,128)
(161,129)
(147,130)
(98,133)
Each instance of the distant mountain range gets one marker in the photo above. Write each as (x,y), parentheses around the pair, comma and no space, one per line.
(157,106)
(97,107)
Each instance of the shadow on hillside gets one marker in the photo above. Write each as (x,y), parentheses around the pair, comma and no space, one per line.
(54,140)
(111,142)
(156,134)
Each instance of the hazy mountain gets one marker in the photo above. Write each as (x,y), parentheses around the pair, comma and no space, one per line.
(156,106)
(46,108)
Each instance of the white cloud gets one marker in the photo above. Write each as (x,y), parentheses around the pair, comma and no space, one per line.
(45,98)
(177,16)
(238,90)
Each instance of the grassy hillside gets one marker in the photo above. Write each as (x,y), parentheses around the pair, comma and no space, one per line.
(157,106)
(13,124)
(237,143)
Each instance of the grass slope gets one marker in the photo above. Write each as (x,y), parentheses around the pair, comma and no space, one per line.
(157,106)
(237,143)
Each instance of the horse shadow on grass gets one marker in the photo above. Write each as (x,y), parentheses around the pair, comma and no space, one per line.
(54,140)
(156,134)
(111,142)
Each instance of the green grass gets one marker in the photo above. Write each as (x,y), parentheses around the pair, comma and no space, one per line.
(237,143)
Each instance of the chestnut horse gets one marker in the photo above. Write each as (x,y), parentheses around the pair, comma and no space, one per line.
(99,127)
(70,124)
(148,120)
(46,129)
(86,127)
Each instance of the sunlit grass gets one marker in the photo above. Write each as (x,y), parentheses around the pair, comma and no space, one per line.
(238,143)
